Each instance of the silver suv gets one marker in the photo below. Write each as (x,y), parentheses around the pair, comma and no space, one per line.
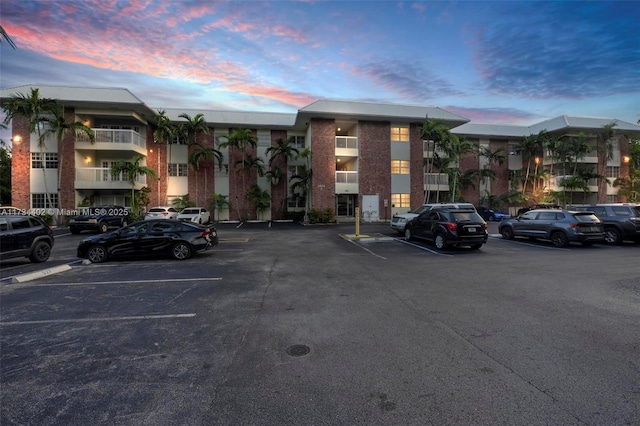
(399,221)
(621,220)
(557,225)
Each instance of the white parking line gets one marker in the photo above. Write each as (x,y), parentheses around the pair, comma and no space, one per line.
(367,250)
(179,280)
(62,321)
(402,240)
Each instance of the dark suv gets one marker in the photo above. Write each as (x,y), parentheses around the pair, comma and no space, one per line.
(25,236)
(561,227)
(621,221)
(99,219)
(449,227)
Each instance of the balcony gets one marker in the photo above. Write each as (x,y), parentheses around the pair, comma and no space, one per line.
(113,140)
(347,182)
(100,178)
(436,182)
(346,146)
(428,150)
(556,184)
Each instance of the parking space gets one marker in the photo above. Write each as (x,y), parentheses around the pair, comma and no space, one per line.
(208,340)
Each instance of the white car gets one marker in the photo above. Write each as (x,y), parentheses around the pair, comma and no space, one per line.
(195,214)
(399,221)
(162,212)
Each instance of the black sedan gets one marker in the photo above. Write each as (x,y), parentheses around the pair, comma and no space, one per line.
(150,238)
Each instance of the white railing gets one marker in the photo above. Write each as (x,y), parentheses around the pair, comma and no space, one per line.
(115,136)
(103,174)
(346,142)
(346,177)
(428,148)
(436,179)
(556,182)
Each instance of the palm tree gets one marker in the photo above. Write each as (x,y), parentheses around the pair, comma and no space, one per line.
(5,36)
(279,156)
(194,127)
(531,147)
(218,203)
(435,132)
(493,157)
(261,199)
(131,170)
(455,147)
(201,153)
(300,185)
(60,127)
(182,202)
(35,109)
(240,140)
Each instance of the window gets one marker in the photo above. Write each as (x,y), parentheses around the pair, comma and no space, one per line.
(399,167)
(613,171)
(177,169)
(178,140)
(400,200)
(41,201)
(298,141)
(47,160)
(400,134)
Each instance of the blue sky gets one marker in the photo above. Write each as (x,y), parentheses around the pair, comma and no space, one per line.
(509,62)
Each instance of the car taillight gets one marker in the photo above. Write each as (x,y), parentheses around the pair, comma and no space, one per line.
(205,233)
(572,225)
(451,226)
(165,213)
(485,226)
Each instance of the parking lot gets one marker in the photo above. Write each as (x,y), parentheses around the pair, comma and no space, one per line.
(286,324)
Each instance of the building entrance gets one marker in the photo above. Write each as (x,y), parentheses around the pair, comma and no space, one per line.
(346,205)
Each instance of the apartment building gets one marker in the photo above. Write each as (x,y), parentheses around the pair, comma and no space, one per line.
(364,155)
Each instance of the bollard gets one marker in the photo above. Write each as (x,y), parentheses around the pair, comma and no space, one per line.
(357,221)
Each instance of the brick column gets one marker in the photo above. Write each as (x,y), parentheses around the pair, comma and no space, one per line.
(323,164)
(67,166)
(374,162)
(20,164)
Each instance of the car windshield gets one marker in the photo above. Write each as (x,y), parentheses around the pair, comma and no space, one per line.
(190,211)
(155,210)
(466,217)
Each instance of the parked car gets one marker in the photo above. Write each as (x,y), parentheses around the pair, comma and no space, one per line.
(150,238)
(162,212)
(538,207)
(399,221)
(492,215)
(99,219)
(559,226)
(195,214)
(449,227)
(25,236)
(621,221)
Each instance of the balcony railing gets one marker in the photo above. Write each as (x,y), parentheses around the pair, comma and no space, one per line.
(346,142)
(346,177)
(100,177)
(556,183)
(115,136)
(428,148)
(436,179)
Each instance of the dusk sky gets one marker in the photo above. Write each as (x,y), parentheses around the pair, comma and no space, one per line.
(492,62)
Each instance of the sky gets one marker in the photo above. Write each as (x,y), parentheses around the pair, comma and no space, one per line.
(504,62)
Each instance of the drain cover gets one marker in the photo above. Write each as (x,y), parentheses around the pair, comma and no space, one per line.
(298,350)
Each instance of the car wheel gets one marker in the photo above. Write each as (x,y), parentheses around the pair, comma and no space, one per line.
(476,246)
(74,230)
(181,251)
(41,252)
(103,227)
(492,218)
(97,254)
(559,239)
(612,236)
(507,233)
(440,242)
(408,235)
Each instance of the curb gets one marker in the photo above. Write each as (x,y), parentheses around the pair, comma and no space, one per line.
(39,274)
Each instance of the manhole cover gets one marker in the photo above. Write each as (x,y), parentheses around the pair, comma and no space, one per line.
(298,350)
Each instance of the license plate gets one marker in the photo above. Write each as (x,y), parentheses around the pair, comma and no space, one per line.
(472,229)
